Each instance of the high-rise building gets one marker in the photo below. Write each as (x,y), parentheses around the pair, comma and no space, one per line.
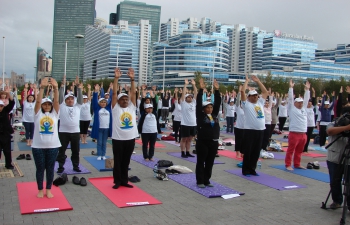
(340,54)
(133,12)
(43,64)
(70,19)
(113,19)
(171,28)
(124,45)
(205,25)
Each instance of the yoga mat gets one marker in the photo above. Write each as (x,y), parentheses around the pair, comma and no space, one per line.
(224,132)
(98,164)
(173,143)
(226,140)
(305,173)
(268,180)
(68,168)
(323,164)
(157,145)
(314,155)
(318,148)
(282,140)
(279,155)
(29,203)
(229,154)
(190,159)
(22,146)
(90,144)
(141,160)
(123,196)
(189,180)
(109,142)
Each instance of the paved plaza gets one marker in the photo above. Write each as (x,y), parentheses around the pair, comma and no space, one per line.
(180,205)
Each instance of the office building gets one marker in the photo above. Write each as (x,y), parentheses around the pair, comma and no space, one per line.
(340,54)
(113,19)
(70,19)
(171,28)
(133,12)
(124,45)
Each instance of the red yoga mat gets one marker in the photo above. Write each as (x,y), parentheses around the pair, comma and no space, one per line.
(229,154)
(123,196)
(29,203)
(157,145)
(314,155)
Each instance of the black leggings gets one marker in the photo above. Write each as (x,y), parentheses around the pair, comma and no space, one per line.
(266,137)
(239,139)
(323,135)
(84,126)
(29,127)
(177,130)
(282,121)
(308,137)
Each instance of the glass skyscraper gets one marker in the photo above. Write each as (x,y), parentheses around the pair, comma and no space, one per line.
(70,19)
(340,54)
(133,12)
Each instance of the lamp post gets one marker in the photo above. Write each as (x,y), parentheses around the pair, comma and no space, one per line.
(117,55)
(163,67)
(79,36)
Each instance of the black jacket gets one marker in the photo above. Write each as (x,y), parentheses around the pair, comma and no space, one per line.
(5,126)
(204,128)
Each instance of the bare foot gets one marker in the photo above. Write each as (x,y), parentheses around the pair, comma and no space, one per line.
(40,194)
(151,160)
(146,159)
(48,193)
(300,167)
(289,168)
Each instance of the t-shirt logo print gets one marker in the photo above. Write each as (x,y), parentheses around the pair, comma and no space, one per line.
(46,125)
(126,121)
(259,113)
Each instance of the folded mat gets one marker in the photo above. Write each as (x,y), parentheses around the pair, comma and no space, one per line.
(29,202)
(316,175)
(98,164)
(123,196)
(268,180)
(190,159)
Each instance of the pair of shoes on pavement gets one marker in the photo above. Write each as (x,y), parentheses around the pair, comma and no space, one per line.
(313,165)
(171,172)
(101,158)
(134,179)
(60,180)
(23,156)
(186,155)
(204,185)
(77,181)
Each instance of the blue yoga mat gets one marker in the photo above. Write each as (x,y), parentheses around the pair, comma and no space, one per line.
(316,175)
(98,164)
(22,146)
(86,146)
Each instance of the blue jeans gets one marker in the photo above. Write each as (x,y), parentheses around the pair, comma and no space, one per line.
(336,185)
(229,126)
(44,159)
(29,127)
(102,141)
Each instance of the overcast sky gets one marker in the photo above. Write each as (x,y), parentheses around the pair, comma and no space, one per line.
(24,23)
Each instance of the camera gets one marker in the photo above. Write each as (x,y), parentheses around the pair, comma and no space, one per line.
(344,120)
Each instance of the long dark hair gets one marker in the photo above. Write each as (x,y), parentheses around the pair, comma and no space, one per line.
(33,97)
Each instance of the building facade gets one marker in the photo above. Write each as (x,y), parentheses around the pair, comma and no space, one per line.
(70,19)
(340,54)
(124,45)
(43,64)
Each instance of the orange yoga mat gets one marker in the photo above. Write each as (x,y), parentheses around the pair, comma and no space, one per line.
(29,203)
(157,145)
(229,154)
(123,196)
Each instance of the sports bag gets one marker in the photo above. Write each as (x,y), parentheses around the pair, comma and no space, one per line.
(164,163)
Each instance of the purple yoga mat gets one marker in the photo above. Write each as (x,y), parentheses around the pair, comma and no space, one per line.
(268,180)
(189,180)
(323,164)
(68,168)
(172,143)
(140,159)
(190,159)
(279,155)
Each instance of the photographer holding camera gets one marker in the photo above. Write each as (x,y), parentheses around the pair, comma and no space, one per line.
(338,132)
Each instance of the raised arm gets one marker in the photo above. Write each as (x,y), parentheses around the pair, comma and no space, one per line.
(264,92)
(333,100)
(290,94)
(132,95)
(43,85)
(245,86)
(195,92)
(199,98)
(184,91)
(217,98)
(117,75)
(80,94)
(306,94)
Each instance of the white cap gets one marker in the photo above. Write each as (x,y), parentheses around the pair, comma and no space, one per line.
(326,102)
(148,106)
(46,100)
(84,96)
(186,95)
(106,93)
(67,96)
(252,92)
(101,99)
(298,100)
(121,95)
(207,103)
(1,102)
(232,100)
(283,101)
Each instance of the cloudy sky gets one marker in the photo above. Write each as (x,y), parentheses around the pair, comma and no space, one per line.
(24,23)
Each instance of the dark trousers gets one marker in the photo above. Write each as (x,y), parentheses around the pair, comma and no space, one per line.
(272,128)
(165,114)
(148,139)
(308,137)
(122,151)
(252,146)
(44,159)
(323,135)
(29,127)
(157,114)
(229,124)
(177,130)
(84,126)
(239,139)
(281,122)
(206,151)
(266,136)
(74,139)
(172,120)
(5,146)
(335,176)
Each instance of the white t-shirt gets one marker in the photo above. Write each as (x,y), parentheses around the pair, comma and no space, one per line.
(85,111)
(310,117)
(240,117)
(70,118)
(103,116)
(188,111)
(150,124)
(283,110)
(230,110)
(177,112)
(124,122)
(28,112)
(45,130)
(160,103)
(254,115)
(297,117)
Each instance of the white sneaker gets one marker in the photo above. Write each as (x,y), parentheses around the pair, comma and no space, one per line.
(133,152)
(104,157)
(99,158)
